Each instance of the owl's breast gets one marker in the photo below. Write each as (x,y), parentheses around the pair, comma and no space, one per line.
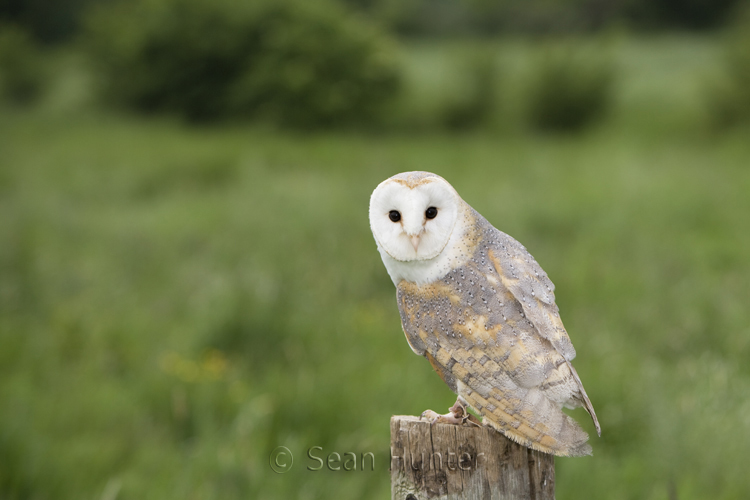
(466,307)
(471,324)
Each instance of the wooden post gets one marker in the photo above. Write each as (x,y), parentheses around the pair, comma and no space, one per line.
(451,462)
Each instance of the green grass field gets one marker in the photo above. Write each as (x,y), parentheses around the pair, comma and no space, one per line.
(177,302)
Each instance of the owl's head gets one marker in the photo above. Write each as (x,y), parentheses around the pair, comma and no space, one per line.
(412,215)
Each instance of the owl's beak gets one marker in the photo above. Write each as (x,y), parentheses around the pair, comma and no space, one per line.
(415,241)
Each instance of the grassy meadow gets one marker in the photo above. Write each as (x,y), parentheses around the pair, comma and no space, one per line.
(177,301)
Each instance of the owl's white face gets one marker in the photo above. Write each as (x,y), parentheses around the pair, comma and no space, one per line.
(412,215)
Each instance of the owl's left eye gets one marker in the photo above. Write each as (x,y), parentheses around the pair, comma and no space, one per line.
(394,215)
(431,213)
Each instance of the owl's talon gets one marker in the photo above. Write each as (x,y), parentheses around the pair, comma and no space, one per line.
(435,417)
(428,414)
(459,412)
(457,415)
(431,415)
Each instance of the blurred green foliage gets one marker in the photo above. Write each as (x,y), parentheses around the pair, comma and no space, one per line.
(48,22)
(491,17)
(294,63)
(59,21)
(23,71)
(474,103)
(679,14)
(509,87)
(729,93)
(569,89)
(176,301)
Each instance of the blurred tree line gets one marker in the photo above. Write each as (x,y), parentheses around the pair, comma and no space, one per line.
(57,21)
(289,62)
(493,17)
(332,63)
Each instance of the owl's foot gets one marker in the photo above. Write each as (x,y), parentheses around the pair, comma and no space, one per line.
(457,415)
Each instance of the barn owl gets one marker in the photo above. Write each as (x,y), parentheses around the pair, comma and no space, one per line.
(476,304)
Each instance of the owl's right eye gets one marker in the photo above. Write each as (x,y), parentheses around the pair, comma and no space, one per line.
(394,215)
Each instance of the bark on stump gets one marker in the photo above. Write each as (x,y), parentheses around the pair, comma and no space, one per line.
(450,462)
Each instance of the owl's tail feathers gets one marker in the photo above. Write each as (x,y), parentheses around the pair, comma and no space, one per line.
(570,439)
(585,402)
(537,423)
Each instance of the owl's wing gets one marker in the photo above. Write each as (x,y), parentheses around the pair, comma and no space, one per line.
(495,359)
(526,280)
(522,276)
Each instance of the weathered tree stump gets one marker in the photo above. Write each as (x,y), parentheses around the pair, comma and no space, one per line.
(450,462)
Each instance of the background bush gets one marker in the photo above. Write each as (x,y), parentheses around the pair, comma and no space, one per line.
(569,89)
(729,96)
(475,104)
(59,20)
(289,62)
(22,68)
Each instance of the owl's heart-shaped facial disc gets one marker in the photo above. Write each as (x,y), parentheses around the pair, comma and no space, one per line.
(412,218)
